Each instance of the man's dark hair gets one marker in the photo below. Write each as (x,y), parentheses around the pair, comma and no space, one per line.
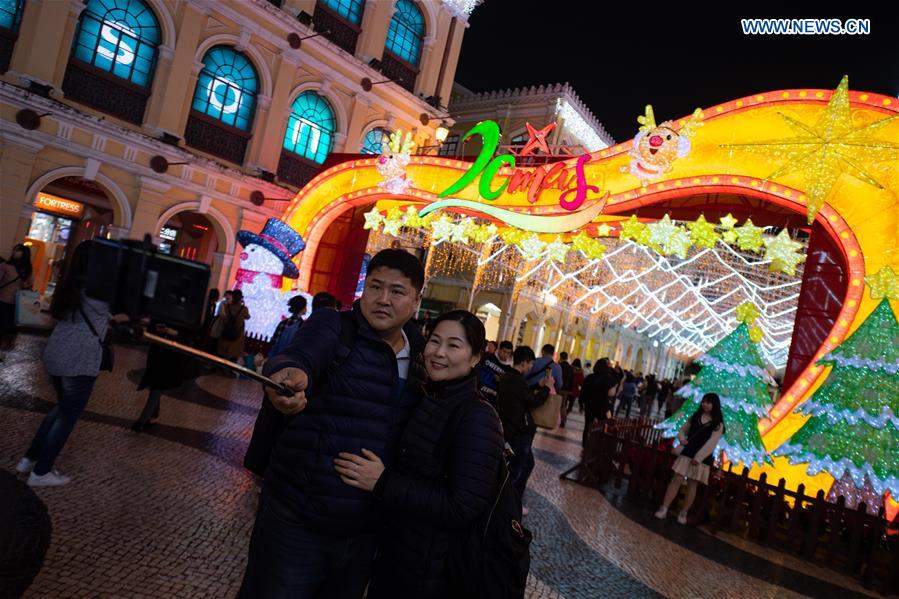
(228,292)
(523,354)
(402,261)
(563,355)
(296,304)
(506,345)
(323,299)
(548,350)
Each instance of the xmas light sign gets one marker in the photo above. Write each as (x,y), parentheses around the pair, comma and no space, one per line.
(571,181)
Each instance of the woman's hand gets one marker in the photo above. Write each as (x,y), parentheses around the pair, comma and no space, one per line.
(359,471)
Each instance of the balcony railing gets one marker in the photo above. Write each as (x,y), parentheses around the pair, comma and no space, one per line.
(88,85)
(340,31)
(295,169)
(399,70)
(216,138)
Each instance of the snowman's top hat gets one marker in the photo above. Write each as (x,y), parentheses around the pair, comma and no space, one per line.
(278,238)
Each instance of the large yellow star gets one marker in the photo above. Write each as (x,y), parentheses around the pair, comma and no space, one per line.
(661,230)
(631,228)
(373,219)
(678,243)
(883,284)
(749,237)
(783,253)
(825,150)
(702,233)
(747,312)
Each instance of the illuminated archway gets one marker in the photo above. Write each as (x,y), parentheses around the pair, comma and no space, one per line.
(860,218)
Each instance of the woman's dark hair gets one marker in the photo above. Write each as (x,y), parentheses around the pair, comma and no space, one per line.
(475,334)
(213,296)
(576,363)
(717,416)
(67,296)
(296,304)
(236,296)
(402,261)
(23,264)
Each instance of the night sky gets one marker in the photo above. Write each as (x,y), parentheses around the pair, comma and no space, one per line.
(674,61)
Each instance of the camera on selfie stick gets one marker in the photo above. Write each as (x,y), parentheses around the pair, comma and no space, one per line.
(135,279)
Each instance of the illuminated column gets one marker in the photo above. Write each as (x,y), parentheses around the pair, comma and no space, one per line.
(265,147)
(45,37)
(17,155)
(220,275)
(169,112)
(375,24)
(150,206)
(358,118)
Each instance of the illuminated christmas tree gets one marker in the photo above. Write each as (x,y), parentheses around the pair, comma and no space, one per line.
(734,370)
(853,432)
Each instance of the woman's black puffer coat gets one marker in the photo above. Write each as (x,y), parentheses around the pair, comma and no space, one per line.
(443,480)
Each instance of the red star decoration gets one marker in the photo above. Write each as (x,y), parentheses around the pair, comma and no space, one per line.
(537,140)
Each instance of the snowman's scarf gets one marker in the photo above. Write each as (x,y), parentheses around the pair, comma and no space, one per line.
(245,277)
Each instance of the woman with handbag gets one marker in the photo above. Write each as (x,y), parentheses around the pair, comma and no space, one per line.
(15,275)
(233,317)
(73,359)
(444,477)
(698,438)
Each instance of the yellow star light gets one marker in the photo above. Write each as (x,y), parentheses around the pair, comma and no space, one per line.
(373,220)
(749,237)
(595,251)
(442,228)
(783,253)
(558,250)
(883,284)
(531,248)
(729,236)
(728,222)
(678,243)
(463,230)
(702,233)
(661,230)
(603,230)
(512,236)
(747,312)
(755,334)
(827,149)
(631,228)
(411,218)
(392,226)
(482,233)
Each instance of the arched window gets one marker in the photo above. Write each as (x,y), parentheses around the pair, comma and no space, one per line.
(11,14)
(373,140)
(226,87)
(119,37)
(310,128)
(351,10)
(407,30)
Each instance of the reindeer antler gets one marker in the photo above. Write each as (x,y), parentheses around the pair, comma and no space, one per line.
(649,121)
(695,122)
(400,146)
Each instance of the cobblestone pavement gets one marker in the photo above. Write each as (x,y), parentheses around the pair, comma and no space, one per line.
(168,513)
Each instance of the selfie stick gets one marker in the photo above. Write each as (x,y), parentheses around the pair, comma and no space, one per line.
(281,389)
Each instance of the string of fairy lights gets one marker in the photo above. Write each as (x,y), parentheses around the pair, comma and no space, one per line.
(683,297)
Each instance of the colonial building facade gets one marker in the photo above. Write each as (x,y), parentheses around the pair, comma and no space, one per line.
(191,119)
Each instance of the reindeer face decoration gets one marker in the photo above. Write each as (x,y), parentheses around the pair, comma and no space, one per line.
(393,161)
(656,147)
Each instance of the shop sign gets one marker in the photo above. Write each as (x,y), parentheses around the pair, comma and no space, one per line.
(58,205)
(169,233)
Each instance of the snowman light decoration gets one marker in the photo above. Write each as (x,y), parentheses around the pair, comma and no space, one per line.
(656,147)
(264,263)
(393,161)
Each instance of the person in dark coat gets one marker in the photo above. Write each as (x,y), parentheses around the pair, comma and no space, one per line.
(444,478)
(515,402)
(595,395)
(314,536)
(166,369)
